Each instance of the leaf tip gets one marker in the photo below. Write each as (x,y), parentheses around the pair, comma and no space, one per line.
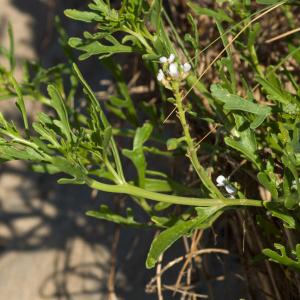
(150,262)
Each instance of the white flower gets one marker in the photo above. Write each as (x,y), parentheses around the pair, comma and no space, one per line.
(230,189)
(173,70)
(163,60)
(160,75)
(221,180)
(186,67)
(171,58)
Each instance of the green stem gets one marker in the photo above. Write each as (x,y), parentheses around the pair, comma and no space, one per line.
(121,181)
(139,37)
(118,179)
(191,149)
(255,61)
(139,192)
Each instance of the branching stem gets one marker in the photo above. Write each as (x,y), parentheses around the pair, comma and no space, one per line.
(139,192)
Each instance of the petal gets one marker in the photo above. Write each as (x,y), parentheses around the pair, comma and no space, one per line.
(171,58)
(220,180)
(230,189)
(163,59)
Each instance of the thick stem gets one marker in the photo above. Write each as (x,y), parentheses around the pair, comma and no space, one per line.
(139,192)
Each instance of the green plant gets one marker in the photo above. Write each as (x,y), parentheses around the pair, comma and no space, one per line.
(262,130)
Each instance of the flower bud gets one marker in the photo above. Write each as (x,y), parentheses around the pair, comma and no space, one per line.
(173,70)
(160,75)
(186,67)
(163,59)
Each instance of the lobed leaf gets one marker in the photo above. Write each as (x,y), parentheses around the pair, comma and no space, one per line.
(111,47)
(235,102)
(77,172)
(282,257)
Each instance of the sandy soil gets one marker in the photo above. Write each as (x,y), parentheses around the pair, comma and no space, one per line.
(49,249)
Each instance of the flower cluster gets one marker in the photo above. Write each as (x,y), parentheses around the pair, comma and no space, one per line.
(171,70)
(222,181)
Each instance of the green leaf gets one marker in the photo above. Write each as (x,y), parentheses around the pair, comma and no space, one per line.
(84,16)
(45,168)
(257,121)
(290,163)
(162,221)
(138,159)
(20,102)
(274,90)
(239,146)
(219,15)
(12,61)
(142,135)
(136,155)
(97,113)
(105,213)
(282,257)
(282,214)
(234,102)
(263,178)
(77,172)
(99,5)
(110,47)
(107,135)
(93,102)
(155,13)
(267,2)
(58,104)
(291,200)
(157,185)
(174,143)
(123,90)
(162,206)
(9,152)
(205,217)
(46,134)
